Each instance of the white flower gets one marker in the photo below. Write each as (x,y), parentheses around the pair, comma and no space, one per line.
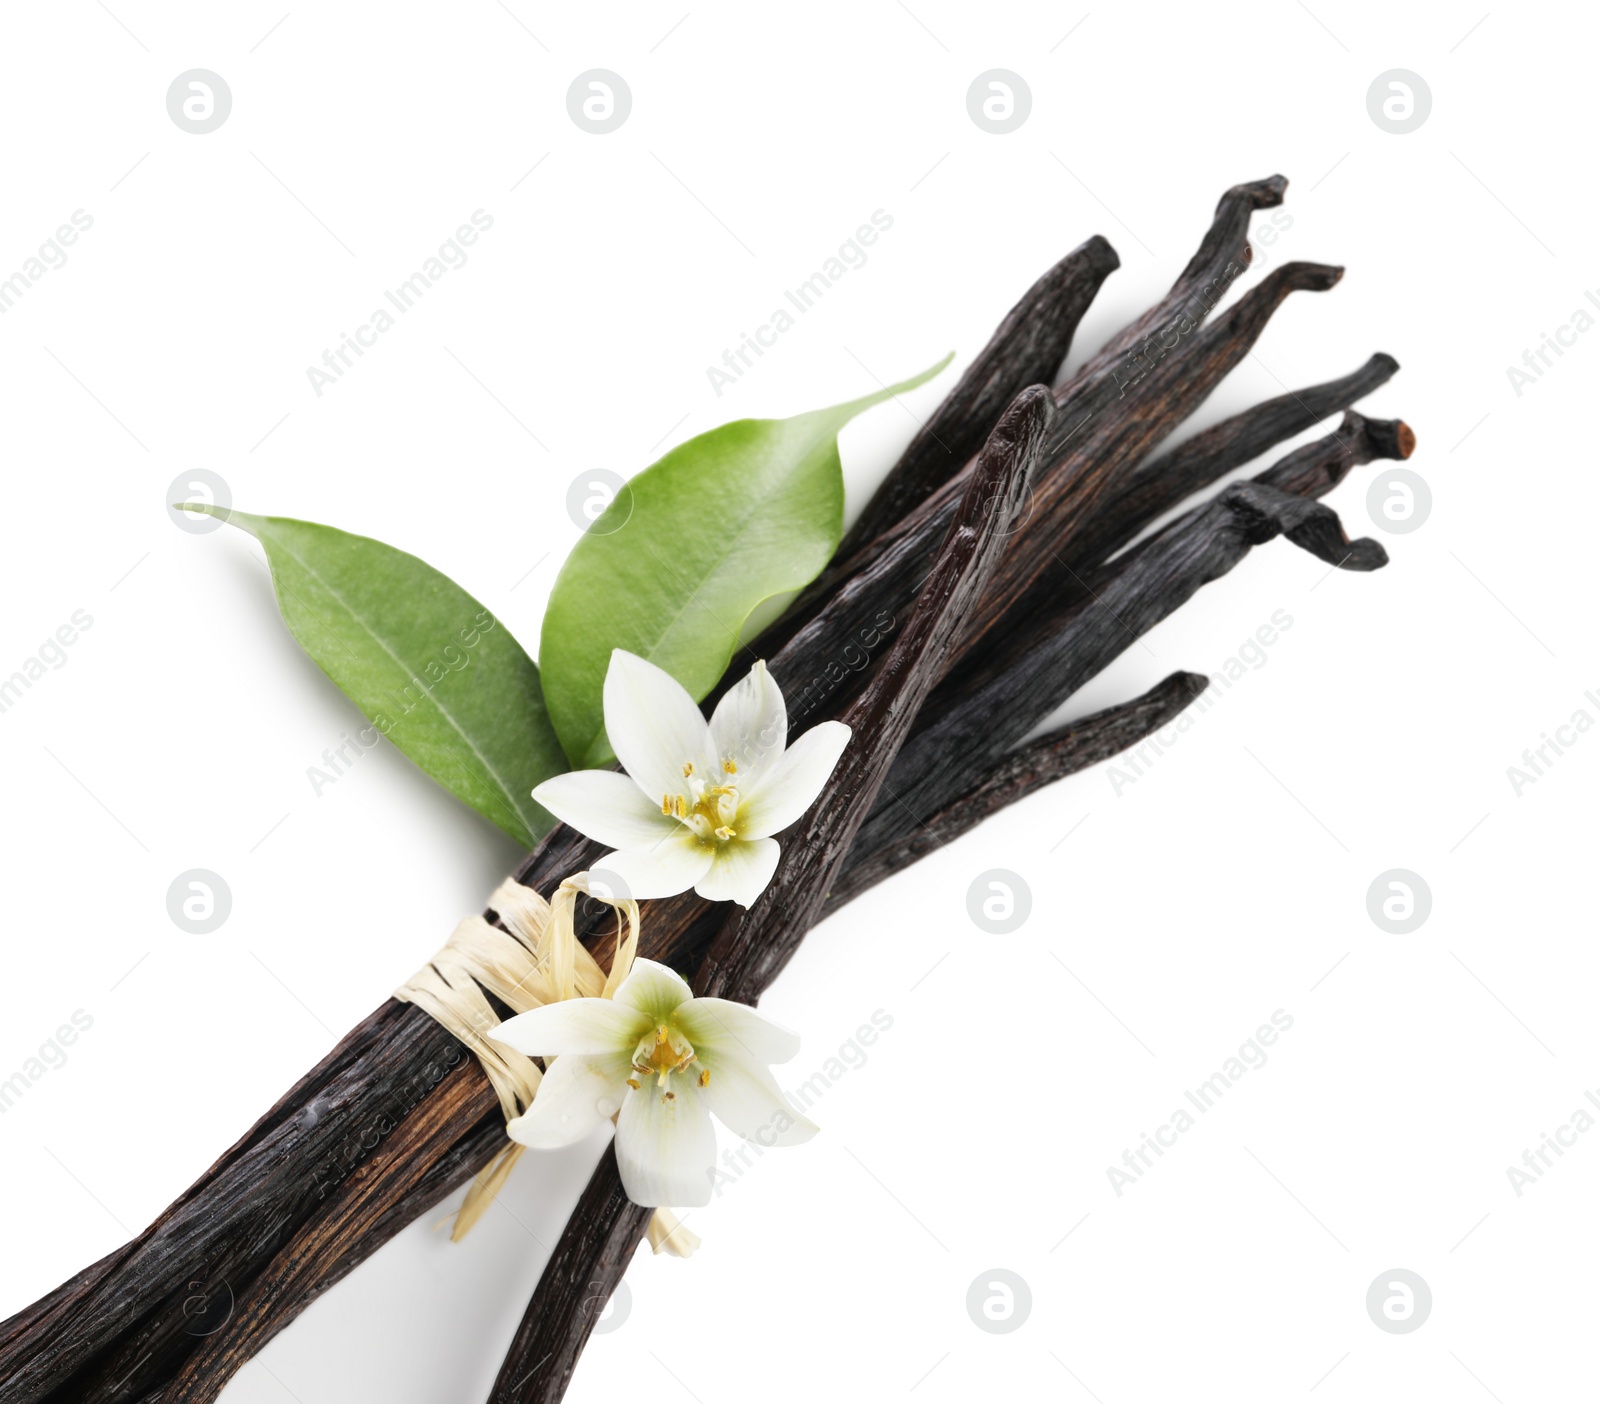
(699,804)
(662,1062)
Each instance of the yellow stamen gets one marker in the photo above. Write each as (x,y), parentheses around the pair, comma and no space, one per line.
(725,832)
(666,805)
(730,767)
(633,1082)
(705,1076)
(680,806)
(688,769)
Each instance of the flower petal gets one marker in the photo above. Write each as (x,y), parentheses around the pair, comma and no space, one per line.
(573,1026)
(783,792)
(655,991)
(746,1099)
(740,871)
(666,1151)
(672,865)
(750,726)
(579,1093)
(723,1027)
(654,726)
(607,807)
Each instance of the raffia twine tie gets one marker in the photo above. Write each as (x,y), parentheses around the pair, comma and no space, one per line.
(537,960)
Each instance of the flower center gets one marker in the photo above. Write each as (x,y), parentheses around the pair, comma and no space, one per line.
(663,1054)
(707,809)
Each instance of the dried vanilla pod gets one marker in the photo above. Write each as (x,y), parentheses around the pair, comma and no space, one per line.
(752,946)
(303,1197)
(1026,349)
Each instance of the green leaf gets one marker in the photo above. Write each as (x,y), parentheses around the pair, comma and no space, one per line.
(673,567)
(431,668)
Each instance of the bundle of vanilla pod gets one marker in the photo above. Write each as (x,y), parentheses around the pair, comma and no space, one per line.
(985,583)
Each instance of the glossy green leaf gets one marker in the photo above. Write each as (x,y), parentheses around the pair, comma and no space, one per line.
(431,668)
(675,564)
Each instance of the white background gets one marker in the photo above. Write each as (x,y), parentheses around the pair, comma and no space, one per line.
(1228,882)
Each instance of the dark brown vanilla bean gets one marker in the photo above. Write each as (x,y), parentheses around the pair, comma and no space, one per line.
(325,1136)
(1101,432)
(327,1253)
(752,947)
(1320,467)
(881,574)
(1044,612)
(357,1148)
(1223,254)
(1105,443)
(1189,362)
(298,1273)
(1124,600)
(463,1097)
(37,1318)
(425,1158)
(1026,349)
(1313,469)
(1072,748)
(350,1227)
(594,1251)
(1162,483)
(979,716)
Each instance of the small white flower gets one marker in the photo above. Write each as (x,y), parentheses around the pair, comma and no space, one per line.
(662,1062)
(700,803)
